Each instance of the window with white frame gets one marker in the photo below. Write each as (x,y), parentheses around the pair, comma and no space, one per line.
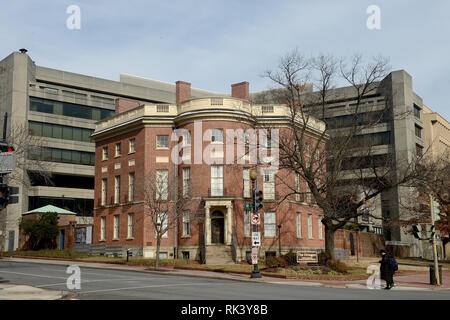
(131,186)
(297,187)
(310,226)
(269,186)
(186,223)
(118,149)
(270,224)
(186,138)
(266,141)
(117,189)
(105,153)
(308,194)
(217,135)
(216,180)
(186,182)
(319,223)
(308,149)
(162,184)
(247,223)
(103,228)
(162,141)
(130,225)
(299,225)
(116,227)
(104,194)
(132,145)
(162,220)
(246,178)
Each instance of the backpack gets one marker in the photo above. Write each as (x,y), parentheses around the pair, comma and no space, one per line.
(393,263)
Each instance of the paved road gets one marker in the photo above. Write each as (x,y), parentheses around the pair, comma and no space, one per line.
(99,284)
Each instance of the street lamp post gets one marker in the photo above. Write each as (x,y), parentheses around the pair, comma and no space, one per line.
(253,176)
(279,239)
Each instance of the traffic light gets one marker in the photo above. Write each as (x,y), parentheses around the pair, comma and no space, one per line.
(4,147)
(258,200)
(4,195)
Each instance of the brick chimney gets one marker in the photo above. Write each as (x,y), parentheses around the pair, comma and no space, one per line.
(183,91)
(123,104)
(240,90)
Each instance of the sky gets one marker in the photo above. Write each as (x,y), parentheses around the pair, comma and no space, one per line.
(213,44)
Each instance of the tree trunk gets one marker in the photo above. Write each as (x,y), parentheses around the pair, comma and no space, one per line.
(158,244)
(329,241)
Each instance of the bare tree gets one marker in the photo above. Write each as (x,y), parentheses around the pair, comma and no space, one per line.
(340,166)
(163,205)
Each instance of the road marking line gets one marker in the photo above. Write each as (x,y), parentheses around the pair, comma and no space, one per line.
(33,275)
(98,280)
(154,286)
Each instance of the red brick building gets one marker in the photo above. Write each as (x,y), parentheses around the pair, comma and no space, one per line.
(138,145)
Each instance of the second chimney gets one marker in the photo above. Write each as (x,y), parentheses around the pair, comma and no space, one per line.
(240,90)
(183,91)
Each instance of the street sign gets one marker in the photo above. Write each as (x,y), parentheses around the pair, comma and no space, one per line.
(254,255)
(307,256)
(248,206)
(256,218)
(256,239)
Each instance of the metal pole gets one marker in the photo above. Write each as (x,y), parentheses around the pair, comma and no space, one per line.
(435,257)
(255,273)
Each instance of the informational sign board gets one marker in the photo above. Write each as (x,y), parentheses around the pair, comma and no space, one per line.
(8,162)
(256,239)
(254,255)
(307,256)
(256,218)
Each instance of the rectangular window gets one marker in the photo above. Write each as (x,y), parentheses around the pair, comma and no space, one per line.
(162,219)
(419,150)
(310,227)
(297,187)
(116,227)
(162,141)
(131,186)
(269,186)
(105,153)
(104,194)
(186,138)
(417,111)
(246,178)
(130,225)
(217,135)
(118,149)
(299,225)
(117,189)
(132,146)
(270,224)
(186,182)
(308,194)
(247,223)
(103,228)
(186,223)
(319,223)
(418,131)
(162,184)
(216,180)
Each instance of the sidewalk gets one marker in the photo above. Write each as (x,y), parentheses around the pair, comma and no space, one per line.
(20,292)
(417,281)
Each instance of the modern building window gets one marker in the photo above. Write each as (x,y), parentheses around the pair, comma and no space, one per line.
(130,225)
(162,184)
(418,131)
(104,190)
(246,178)
(116,227)
(62,155)
(105,153)
(310,226)
(132,146)
(247,223)
(57,131)
(118,149)
(217,135)
(270,224)
(131,186)
(116,189)
(417,110)
(162,141)
(299,225)
(216,180)
(365,118)
(269,186)
(186,182)
(320,224)
(372,139)
(69,109)
(103,229)
(186,223)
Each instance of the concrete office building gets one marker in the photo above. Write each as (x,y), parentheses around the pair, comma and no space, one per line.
(63,108)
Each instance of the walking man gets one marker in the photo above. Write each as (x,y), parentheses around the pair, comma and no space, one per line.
(387,269)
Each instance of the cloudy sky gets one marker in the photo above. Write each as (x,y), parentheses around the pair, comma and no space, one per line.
(215,43)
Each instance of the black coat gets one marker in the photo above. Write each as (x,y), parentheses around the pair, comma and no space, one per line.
(386,271)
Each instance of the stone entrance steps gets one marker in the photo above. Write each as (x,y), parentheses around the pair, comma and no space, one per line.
(219,254)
